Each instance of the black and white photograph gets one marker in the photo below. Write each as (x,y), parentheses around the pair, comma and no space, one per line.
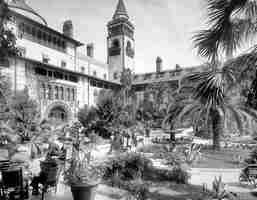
(128,100)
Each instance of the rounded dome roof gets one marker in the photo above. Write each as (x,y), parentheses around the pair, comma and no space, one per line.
(22,6)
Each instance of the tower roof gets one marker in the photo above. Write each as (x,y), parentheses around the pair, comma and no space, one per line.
(121,11)
(22,5)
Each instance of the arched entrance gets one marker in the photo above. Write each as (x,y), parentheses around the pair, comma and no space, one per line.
(58,113)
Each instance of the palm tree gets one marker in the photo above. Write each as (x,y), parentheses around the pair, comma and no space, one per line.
(175,107)
(212,101)
(231,24)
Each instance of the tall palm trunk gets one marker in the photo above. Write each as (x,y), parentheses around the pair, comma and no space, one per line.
(217,127)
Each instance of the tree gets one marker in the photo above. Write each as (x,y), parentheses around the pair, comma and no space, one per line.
(7,37)
(87,116)
(25,114)
(125,110)
(175,107)
(212,102)
(231,24)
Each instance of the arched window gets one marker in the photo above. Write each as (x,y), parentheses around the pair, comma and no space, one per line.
(33,31)
(49,95)
(39,34)
(43,91)
(115,75)
(68,94)
(73,94)
(49,38)
(56,92)
(61,93)
(129,45)
(116,43)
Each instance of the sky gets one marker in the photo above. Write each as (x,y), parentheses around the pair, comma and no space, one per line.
(162,27)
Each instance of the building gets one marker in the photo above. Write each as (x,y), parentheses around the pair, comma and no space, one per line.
(60,74)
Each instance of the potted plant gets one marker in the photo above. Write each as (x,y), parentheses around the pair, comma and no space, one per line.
(82,175)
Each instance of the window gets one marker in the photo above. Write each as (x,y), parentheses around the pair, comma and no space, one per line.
(105,76)
(49,95)
(22,27)
(115,75)
(83,69)
(49,38)
(54,40)
(61,93)
(33,31)
(28,29)
(73,94)
(43,91)
(49,73)
(63,45)
(68,94)
(95,93)
(45,58)
(63,64)
(41,71)
(58,75)
(59,43)
(94,73)
(56,92)
(116,43)
(44,37)
(73,78)
(39,34)
(128,45)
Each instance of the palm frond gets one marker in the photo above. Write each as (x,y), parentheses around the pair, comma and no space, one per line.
(236,115)
(188,110)
(248,111)
(231,23)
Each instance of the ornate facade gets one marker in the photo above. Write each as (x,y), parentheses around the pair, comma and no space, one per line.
(60,73)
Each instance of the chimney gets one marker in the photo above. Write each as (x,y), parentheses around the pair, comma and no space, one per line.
(178,67)
(158,64)
(90,50)
(68,28)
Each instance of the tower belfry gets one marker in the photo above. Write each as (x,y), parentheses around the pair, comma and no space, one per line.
(120,42)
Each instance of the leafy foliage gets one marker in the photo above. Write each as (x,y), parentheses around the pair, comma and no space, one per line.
(218,191)
(127,166)
(81,170)
(7,38)
(26,116)
(211,102)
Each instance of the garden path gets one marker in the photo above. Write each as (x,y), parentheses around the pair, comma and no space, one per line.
(230,177)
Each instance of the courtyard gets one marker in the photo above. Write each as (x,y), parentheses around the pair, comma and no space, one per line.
(73,127)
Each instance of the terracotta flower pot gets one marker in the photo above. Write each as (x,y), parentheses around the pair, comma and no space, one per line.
(84,191)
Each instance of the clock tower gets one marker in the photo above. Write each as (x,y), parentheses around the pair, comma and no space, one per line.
(120,42)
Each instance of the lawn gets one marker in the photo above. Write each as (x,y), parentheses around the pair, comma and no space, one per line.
(225,158)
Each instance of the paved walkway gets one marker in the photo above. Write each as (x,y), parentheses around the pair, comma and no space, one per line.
(230,177)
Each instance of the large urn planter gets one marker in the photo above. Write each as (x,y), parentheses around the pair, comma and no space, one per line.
(84,191)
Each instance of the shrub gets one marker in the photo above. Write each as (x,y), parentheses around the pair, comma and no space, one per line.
(127,167)
(218,192)
(177,175)
(138,190)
